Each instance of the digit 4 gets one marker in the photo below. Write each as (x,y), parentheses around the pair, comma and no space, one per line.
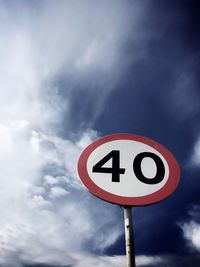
(115,170)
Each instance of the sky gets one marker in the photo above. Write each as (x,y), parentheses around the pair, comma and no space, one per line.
(74,71)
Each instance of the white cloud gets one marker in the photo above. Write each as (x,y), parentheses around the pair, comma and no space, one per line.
(58,192)
(191,232)
(101,261)
(195,159)
(39,44)
(191,228)
(50,180)
(144,260)
(117,261)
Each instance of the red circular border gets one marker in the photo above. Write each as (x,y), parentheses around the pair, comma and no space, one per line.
(165,191)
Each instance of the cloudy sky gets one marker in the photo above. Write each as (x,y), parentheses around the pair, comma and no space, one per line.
(70,72)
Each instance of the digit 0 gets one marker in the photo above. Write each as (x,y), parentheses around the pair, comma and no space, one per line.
(160,174)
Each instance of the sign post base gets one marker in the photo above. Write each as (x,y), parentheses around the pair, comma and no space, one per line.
(130,251)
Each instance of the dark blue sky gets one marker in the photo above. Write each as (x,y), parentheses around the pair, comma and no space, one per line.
(146,101)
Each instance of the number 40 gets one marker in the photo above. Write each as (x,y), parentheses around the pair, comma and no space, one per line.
(115,170)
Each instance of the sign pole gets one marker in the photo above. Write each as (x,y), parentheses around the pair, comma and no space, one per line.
(129,239)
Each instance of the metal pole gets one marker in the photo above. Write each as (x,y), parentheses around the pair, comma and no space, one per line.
(130,251)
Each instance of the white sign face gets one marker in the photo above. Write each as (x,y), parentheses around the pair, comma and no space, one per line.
(127,183)
(128,170)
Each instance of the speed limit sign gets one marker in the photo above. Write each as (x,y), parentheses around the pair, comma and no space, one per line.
(128,170)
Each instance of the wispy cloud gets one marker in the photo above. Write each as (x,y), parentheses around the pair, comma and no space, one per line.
(46,215)
(118,261)
(191,228)
(195,158)
(191,232)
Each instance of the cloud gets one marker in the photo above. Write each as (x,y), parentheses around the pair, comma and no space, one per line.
(191,228)
(45,218)
(191,232)
(149,260)
(82,47)
(118,261)
(58,192)
(195,159)
(46,215)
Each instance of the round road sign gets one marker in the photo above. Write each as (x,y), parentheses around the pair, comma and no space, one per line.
(128,170)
